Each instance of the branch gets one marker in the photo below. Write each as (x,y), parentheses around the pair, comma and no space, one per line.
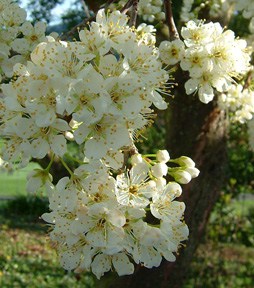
(76,28)
(247,82)
(86,9)
(173,34)
(109,2)
(127,6)
(134,13)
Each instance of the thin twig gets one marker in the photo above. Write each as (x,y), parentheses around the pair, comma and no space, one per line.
(109,2)
(84,23)
(248,79)
(86,9)
(173,34)
(126,7)
(76,28)
(134,13)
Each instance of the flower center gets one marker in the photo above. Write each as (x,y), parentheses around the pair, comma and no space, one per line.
(133,189)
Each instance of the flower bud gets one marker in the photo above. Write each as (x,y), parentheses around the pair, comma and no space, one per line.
(136,159)
(159,170)
(194,172)
(185,161)
(162,156)
(69,135)
(182,176)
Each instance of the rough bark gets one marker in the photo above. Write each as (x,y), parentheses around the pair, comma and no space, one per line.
(198,131)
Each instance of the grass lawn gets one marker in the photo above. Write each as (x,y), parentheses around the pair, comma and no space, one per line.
(15,184)
(27,259)
(222,265)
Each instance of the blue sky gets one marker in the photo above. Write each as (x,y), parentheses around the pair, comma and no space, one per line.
(59,9)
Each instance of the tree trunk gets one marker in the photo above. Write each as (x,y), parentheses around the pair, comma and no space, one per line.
(198,131)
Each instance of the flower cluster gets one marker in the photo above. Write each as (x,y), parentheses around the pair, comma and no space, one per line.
(149,10)
(247,8)
(218,8)
(99,88)
(186,11)
(239,101)
(97,92)
(215,8)
(213,57)
(101,222)
(18,37)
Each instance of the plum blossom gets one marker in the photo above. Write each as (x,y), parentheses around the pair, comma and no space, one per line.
(97,93)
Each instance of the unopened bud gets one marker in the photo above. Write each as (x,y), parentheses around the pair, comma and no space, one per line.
(136,159)
(69,136)
(182,177)
(162,156)
(159,170)
(185,161)
(194,172)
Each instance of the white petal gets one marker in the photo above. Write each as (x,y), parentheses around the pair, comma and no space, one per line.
(122,264)
(100,265)
(58,144)
(117,218)
(40,147)
(70,259)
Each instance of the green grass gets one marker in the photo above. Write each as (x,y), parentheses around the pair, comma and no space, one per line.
(222,265)
(27,258)
(14,184)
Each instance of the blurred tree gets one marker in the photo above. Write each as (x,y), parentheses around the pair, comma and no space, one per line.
(41,9)
(76,14)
